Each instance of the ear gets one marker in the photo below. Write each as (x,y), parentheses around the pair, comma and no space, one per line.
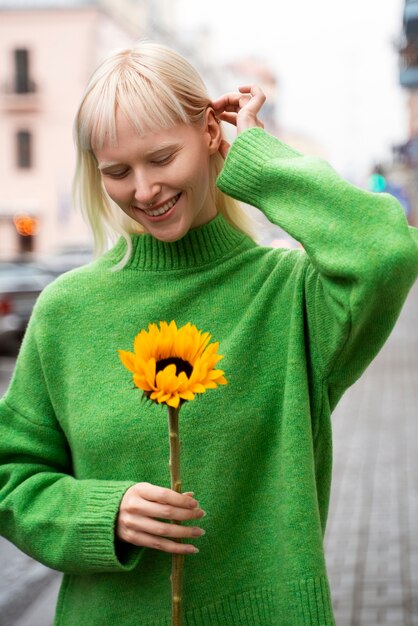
(213,131)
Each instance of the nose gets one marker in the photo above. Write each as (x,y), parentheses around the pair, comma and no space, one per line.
(147,189)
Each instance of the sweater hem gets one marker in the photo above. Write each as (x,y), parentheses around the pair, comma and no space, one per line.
(303,602)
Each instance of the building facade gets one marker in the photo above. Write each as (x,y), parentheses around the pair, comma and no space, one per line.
(48,50)
(405,168)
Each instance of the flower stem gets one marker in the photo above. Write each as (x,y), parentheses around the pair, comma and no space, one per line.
(177,559)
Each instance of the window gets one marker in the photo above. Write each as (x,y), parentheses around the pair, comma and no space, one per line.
(24,149)
(21,61)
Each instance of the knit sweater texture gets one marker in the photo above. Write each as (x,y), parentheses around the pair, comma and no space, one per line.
(296,328)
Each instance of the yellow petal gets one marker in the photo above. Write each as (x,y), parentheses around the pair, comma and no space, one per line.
(174,401)
(140,381)
(183,381)
(150,373)
(210,384)
(214,374)
(187,395)
(128,359)
(166,379)
(198,388)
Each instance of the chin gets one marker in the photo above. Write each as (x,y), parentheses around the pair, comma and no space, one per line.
(170,235)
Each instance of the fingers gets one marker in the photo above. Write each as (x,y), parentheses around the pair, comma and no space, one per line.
(233,102)
(153,501)
(240,109)
(163,495)
(151,533)
(231,118)
(161,529)
(166,511)
(140,513)
(165,545)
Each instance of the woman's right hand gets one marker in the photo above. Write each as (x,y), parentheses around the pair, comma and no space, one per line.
(142,503)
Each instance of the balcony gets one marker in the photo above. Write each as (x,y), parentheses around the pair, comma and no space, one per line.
(410,18)
(14,100)
(408,60)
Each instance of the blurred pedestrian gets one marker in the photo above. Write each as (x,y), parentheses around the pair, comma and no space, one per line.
(84,479)
(379,183)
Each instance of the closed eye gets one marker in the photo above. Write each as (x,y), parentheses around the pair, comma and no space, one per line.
(118,174)
(163,160)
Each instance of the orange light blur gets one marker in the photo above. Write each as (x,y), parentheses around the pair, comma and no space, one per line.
(26,225)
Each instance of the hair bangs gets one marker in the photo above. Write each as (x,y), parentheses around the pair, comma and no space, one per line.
(96,118)
(144,98)
(147,102)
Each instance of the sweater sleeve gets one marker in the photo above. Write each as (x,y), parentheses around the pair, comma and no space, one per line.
(362,257)
(65,523)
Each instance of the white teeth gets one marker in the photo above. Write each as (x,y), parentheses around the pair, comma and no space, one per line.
(163,209)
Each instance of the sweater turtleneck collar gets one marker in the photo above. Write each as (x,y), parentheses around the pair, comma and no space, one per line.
(200,246)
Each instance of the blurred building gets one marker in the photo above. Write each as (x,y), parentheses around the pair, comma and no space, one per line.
(48,49)
(251,70)
(404,171)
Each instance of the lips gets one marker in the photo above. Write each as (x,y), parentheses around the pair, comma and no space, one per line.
(161,209)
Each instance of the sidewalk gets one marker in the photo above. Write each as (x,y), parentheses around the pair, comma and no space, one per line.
(372,539)
(41,612)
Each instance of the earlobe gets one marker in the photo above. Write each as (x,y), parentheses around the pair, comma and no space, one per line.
(213,130)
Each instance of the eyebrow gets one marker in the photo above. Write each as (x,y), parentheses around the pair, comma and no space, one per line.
(161,147)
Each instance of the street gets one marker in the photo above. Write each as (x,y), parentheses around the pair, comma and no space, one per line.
(23,580)
(371,540)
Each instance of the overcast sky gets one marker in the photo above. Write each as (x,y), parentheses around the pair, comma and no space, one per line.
(335,62)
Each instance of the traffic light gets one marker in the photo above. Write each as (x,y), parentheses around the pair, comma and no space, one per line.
(26,225)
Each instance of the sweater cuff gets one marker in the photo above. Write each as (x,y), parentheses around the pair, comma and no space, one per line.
(100,548)
(241,176)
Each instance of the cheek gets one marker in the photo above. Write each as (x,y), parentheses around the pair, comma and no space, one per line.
(115,190)
(199,174)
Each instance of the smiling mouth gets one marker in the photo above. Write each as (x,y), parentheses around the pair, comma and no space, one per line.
(163,209)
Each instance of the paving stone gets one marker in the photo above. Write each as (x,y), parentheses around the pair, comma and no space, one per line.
(371,541)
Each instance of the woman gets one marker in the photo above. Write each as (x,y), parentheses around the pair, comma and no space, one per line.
(84,464)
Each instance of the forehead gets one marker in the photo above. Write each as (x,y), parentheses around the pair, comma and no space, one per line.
(130,143)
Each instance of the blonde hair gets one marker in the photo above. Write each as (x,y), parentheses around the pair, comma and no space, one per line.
(156,88)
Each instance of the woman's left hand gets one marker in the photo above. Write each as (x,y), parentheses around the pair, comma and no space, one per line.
(240,109)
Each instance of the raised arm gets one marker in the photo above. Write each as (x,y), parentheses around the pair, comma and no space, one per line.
(362,257)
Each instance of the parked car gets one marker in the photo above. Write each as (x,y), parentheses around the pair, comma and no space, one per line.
(20,285)
(66,258)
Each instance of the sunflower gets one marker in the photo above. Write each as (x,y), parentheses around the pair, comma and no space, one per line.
(173,364)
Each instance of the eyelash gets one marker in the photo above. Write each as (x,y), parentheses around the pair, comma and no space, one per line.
(116,174)
(161,162)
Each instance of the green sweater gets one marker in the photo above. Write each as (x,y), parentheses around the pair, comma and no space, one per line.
(296,328)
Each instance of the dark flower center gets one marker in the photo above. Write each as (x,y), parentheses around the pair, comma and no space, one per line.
(181,365)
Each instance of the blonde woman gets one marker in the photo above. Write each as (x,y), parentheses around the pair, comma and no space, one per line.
(84,474)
